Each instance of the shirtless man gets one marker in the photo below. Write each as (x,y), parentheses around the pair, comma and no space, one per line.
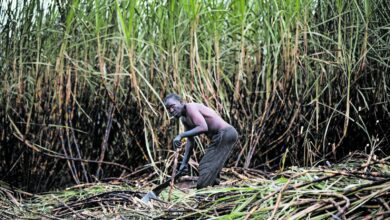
(199,119)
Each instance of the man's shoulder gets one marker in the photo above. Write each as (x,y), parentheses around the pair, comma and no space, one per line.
(194,105)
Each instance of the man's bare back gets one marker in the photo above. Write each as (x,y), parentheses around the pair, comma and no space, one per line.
(198,113)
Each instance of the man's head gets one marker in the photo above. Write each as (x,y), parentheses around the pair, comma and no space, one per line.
(174,105)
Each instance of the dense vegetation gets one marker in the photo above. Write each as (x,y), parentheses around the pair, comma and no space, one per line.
(82,81)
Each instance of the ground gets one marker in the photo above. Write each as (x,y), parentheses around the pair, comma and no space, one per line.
(358,188)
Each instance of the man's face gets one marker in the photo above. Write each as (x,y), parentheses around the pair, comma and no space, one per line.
(174,107)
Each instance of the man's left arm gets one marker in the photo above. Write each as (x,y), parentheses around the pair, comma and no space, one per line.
(187,153)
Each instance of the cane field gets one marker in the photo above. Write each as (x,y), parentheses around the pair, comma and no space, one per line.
(84,133)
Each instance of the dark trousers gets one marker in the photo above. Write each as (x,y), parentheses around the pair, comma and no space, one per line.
(215,156)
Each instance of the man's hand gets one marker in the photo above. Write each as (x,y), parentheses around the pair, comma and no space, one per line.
(177,142)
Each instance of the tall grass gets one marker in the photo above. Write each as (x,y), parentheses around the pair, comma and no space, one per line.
(82,82)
